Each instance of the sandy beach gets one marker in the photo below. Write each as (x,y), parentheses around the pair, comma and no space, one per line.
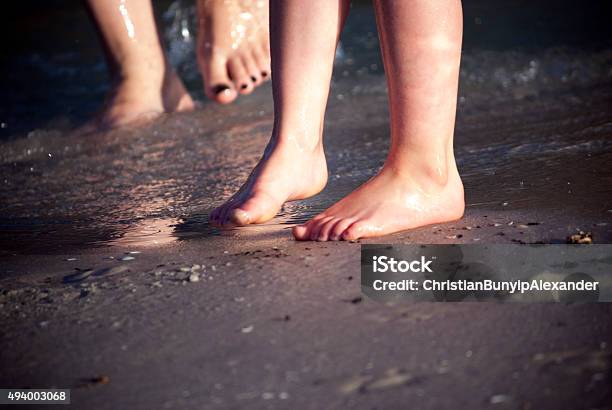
(113,284)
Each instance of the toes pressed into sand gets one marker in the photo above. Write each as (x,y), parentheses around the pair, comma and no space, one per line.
(285,173)
(245,210)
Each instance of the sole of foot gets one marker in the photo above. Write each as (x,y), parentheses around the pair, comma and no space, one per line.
(285,173)
(386,204)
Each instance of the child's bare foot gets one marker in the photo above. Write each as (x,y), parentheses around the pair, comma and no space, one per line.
(388,203)
(233,47)
(141,97)
(287,171)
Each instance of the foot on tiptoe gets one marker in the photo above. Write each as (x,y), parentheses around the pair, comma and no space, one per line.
(390,202)
(233,47)
(286,172)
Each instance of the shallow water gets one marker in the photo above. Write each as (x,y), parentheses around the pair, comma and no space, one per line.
(533,135)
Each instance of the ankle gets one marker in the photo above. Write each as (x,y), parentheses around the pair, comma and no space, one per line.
(430,176)
(141,70)
(302,142)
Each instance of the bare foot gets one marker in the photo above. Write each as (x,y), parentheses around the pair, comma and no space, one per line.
(144,83)
(286,172)
(390,202)
(139,98)
(233,47)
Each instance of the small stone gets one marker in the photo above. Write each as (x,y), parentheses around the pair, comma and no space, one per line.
(582,238)
(127,258)
(194,277)
(133,252)
(185,269)
(247,329)
(354,384)
(283,395)
(100,380)
(391,379)
(71,259)
(267,396)
(499,398)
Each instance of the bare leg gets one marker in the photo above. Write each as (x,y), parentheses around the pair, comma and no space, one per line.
(144,84)
(233,47)
(419,183)
(293,164)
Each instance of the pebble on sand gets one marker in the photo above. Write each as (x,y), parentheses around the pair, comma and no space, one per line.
(194,277)
(582,238)
(499,398)
(247,329)
(128,258)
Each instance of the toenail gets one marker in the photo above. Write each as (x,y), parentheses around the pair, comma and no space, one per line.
(218,89)
(253,79)
(244,86)
(264,74)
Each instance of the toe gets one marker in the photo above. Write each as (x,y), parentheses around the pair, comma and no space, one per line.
(317,226)
(300,232)
(217,84)
(338,229)
(263,63)
(252,70)
(326,229)
(354,232)
(239,217)
(239,74)
(259,208)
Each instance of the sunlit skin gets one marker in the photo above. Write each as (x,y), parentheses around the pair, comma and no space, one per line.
(419,183)
(144,84)
(233,47)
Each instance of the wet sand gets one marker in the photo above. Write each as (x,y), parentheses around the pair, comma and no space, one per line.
(112,282)
(271,322)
